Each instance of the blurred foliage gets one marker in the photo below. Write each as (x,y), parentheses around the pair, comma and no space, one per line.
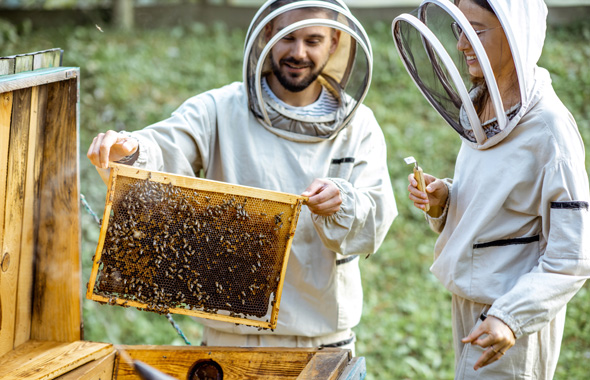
(131,79)
(86,4)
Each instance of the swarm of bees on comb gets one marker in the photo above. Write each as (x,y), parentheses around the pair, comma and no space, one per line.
(169,248)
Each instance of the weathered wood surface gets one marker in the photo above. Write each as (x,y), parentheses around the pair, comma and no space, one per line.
(13,215)
(7,65)
(39,360)
(57,304)
(356,369)
(236,363)
(26,275)
(325,365)
(100,369)
(30,61)
(36,78)
(5,117)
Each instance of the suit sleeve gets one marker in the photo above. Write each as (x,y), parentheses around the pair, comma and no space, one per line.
(368,204)
(564,265)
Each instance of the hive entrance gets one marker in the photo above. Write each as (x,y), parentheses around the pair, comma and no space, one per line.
(185,245)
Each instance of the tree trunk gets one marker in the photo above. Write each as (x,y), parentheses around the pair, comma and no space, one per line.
(123,14)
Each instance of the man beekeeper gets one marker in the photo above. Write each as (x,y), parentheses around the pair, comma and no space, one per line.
(296,124)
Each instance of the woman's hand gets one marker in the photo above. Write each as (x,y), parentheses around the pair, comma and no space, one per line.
(436,194)
(498,339)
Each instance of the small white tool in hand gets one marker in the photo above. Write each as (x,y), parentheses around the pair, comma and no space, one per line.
(419,175)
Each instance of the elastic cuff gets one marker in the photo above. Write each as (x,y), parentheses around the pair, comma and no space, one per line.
(130,159)
(508,321)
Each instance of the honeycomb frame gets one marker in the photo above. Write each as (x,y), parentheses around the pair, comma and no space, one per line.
(192,246)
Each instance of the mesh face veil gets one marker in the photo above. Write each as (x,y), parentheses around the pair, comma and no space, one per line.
(460,69)
(347,73)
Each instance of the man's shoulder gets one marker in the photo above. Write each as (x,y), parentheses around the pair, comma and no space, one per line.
(365,118)
(230,92)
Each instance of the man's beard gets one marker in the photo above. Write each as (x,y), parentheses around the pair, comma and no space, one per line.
(290,82)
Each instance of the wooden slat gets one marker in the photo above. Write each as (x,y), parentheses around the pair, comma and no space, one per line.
(23,63)
(100,369)
(36,78)
(5,117)
(13,214)
(39,360)
(25,278)
(236,363)
(57,306)
(46,58)
(356,369)
(7,65)
(325,365)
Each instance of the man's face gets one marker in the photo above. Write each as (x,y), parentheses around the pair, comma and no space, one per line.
(298,58)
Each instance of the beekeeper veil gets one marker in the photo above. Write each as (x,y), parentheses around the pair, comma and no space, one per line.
(346,75)
(482,78)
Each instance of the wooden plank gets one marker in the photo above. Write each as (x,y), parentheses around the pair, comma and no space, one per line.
(236,363)
(55,58)
(326,365)
(100,369)
(5,117)
(26,276)
(39,360)
(23,62)
(57,306)
(36,78)
(46,58)
(13,215)
(7,65)
(356,369)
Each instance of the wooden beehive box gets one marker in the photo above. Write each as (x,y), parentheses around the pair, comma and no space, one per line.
(40,268)
(40,303)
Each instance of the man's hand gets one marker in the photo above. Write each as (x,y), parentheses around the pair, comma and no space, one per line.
(324,197)
(110,146)
(499,339)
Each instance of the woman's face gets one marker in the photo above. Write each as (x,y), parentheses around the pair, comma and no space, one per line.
(493,39)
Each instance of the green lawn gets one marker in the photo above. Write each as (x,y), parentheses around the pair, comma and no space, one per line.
(129,80)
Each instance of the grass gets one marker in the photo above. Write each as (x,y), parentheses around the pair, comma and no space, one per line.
(129,80)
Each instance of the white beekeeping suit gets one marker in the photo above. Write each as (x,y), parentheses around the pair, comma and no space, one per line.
(240,134)
(515,233)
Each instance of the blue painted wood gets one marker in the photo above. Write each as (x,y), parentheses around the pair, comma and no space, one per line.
(355,370)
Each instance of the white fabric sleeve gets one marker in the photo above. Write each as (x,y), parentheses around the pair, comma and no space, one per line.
(179,144)
(368,204)
(438,224)
(564,266)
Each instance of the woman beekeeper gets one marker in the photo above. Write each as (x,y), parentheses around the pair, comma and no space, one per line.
(514,244)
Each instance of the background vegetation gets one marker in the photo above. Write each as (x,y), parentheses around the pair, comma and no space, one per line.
(131,79)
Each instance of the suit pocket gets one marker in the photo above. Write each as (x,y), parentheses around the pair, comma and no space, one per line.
(498,264)
(341,167)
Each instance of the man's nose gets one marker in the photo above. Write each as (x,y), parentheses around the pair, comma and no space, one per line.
(298,49)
